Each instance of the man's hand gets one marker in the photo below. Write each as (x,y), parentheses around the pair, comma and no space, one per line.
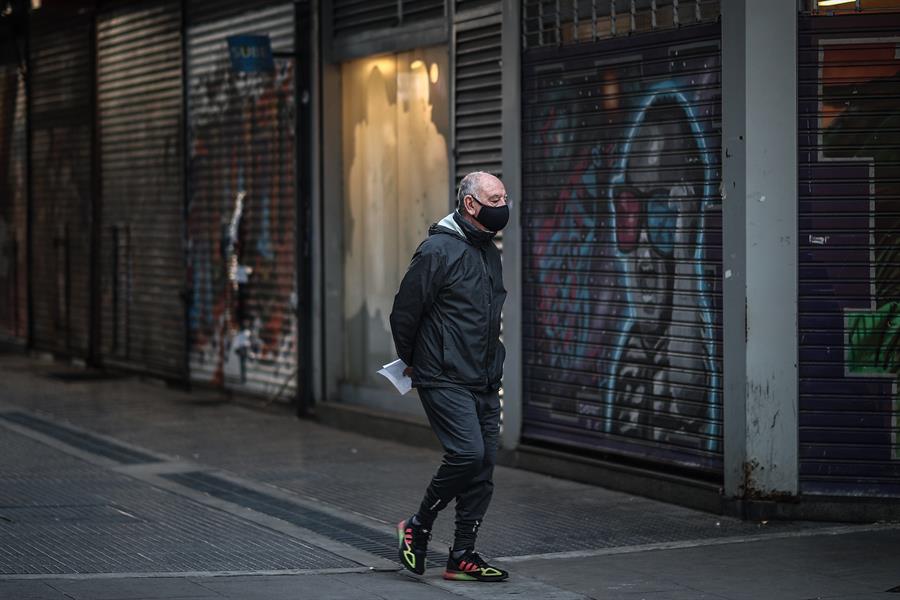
(408,371)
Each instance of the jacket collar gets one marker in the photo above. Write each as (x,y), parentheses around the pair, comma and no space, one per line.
(449,222)
(462,228)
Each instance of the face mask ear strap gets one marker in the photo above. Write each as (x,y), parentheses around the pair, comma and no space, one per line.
(474,201)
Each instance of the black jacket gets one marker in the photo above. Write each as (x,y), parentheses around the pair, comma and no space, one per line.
(446,315)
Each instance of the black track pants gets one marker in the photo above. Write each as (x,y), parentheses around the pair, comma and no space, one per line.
(468,426)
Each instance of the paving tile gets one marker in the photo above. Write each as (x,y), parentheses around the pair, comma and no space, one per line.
(757,570)
(29,590)
(685,594)
(91,518)
(150,588)
(394,585)
(324,587)
(592,577)
(886,578)
(799,586)
(869,596)
(530,513)
(62,515)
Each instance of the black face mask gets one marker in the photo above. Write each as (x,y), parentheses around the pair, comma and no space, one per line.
(494,218)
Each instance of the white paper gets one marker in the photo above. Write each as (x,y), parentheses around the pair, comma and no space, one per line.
(394,373)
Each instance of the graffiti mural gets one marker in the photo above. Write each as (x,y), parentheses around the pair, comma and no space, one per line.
(243,296)
(623,248)
(849,280)
(663,380)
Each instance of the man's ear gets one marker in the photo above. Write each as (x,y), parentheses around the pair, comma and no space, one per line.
(468,205)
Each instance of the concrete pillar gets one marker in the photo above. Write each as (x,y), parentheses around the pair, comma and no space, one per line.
(512,235)
(759,98)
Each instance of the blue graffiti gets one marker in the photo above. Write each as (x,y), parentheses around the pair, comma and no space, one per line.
(659,228)
(264,243)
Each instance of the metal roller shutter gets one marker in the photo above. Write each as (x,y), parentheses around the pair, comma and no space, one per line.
(478,134)
(241,215)
(421,10)
(490,6)
(351,16)
(13,207)
(139,96)
(621,225)
(849,113)
(61,66)
(361,16)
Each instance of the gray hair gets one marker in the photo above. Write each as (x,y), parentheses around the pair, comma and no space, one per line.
(469,186)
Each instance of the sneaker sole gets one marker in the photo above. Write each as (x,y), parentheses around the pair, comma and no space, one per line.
(460,576)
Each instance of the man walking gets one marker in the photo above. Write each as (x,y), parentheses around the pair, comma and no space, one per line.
(446,327)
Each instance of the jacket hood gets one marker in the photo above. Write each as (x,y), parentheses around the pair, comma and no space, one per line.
(454,224)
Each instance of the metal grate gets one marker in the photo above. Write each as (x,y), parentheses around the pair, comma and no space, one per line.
(563,22)
(139,107)
(470,5)
(849,228)
(621,327)
(13,208)
(357,16)
(78,439)
(826,8)
(478,97)
(361,537)
(421,10)
(241,205)
(61,116)
(62,515)
(351,16)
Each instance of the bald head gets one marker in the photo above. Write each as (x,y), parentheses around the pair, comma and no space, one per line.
(480,185)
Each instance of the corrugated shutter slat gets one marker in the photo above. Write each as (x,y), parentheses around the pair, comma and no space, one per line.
(621,248)
(139,103)
(352,16)
(243,324)
(61,72)
(478,96)
(849,235)
(13,207)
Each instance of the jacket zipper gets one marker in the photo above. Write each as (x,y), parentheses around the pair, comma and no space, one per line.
(487,344)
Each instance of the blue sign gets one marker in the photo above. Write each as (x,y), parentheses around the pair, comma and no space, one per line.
(250,53)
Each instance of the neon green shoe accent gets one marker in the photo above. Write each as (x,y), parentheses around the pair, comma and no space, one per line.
(410,558)
(408,555)
(490,572)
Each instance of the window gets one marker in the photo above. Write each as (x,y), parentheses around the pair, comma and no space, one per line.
(396,184)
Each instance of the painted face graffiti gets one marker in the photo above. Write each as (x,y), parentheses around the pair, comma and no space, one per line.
(662,385)
(645,219)
(622,252)
(655,191)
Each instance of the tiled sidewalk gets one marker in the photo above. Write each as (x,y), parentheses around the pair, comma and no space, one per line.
(382,481)
(106,482)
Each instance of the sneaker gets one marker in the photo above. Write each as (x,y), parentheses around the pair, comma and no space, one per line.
(471,567)
(413,545)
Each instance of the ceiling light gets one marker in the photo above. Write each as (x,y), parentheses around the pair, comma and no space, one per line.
(835,2)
